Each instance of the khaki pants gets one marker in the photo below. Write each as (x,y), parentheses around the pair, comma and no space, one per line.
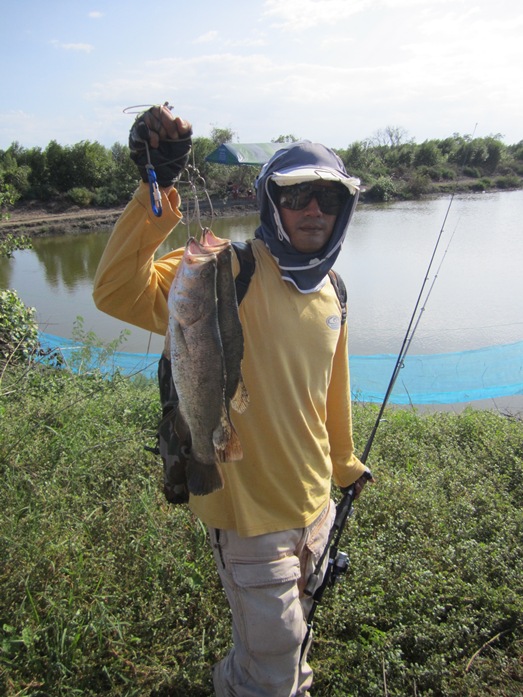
(263,578)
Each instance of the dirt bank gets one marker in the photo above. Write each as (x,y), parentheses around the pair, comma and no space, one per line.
(36,220)
(42,223)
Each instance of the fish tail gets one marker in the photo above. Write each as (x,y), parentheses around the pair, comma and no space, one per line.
(240,399)
(203,479)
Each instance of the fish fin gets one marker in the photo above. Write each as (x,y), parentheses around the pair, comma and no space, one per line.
(227,446)
(222,432)
(240,399)
(203,479)
(233,449)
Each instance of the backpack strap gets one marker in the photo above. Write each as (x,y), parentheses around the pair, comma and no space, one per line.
(247,266)
(341,292)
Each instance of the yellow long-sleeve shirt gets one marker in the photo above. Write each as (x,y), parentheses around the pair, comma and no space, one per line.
(297,431)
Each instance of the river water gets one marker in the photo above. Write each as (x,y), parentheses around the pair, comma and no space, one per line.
(476,298)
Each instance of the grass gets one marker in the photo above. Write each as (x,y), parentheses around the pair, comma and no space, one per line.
(108,590)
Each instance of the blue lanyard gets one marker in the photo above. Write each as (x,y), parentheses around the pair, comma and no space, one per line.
(154,191)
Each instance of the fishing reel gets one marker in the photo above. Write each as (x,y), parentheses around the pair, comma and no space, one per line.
(337,567)
(340,566)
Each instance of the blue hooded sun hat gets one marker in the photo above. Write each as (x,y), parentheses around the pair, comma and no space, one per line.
(294,164)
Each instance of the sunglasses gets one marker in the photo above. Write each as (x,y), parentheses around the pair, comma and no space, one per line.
(298,196)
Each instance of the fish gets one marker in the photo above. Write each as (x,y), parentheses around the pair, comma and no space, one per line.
(229,320)
(199,370)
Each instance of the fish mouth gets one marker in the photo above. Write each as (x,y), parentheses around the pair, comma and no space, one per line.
(211,242)
(196,252)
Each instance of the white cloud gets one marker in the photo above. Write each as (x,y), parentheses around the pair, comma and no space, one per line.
(95,14)
(298,15)
(86,48)
(206,38)
(248,42)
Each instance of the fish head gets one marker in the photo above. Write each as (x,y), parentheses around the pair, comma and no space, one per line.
(193,290)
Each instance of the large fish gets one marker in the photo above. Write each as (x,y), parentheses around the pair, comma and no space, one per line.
(198,369)
(228,319)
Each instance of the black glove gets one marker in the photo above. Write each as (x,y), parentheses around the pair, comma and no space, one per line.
(171,154)
(359,483)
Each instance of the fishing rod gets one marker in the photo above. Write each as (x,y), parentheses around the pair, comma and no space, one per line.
(409,335)
(412,327)
(338,561)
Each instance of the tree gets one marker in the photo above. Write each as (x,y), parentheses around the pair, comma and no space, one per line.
(495,152)
(357,157)
(427,154)
(36,160)
(124,177)
(12,173)
(516,151)
(90,164)
(219,136)
(289,138)
(59,175)
(201,147)
(393,136)
(8,197)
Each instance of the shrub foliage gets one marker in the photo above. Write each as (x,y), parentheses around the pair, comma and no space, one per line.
(389,164)
(18,328)
(106,589)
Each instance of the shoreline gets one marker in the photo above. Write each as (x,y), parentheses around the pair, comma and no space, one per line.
(38,221)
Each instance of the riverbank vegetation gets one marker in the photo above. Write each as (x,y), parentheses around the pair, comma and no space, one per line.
(389,164)
(107,589)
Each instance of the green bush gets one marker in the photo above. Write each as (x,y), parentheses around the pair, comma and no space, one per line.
(105,198)
(108,590)
(417,185)
(8,197)
(438,173)
(482,184)
(383,189)
(510,181)
(472,172)
(18,329)
(80,196)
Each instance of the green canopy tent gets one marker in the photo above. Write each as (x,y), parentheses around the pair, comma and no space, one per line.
(243,153)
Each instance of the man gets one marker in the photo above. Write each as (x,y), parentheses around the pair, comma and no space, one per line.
(269,524)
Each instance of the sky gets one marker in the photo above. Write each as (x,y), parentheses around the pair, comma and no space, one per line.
(330,71)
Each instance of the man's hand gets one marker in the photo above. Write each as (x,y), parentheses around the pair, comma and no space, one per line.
(169,141)
(359,484)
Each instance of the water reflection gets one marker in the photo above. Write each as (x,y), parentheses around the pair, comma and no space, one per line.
(477,300)
(69,261)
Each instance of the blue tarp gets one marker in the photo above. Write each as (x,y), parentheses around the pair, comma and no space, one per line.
(447,378)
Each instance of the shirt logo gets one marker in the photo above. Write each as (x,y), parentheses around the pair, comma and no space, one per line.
(333,322)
